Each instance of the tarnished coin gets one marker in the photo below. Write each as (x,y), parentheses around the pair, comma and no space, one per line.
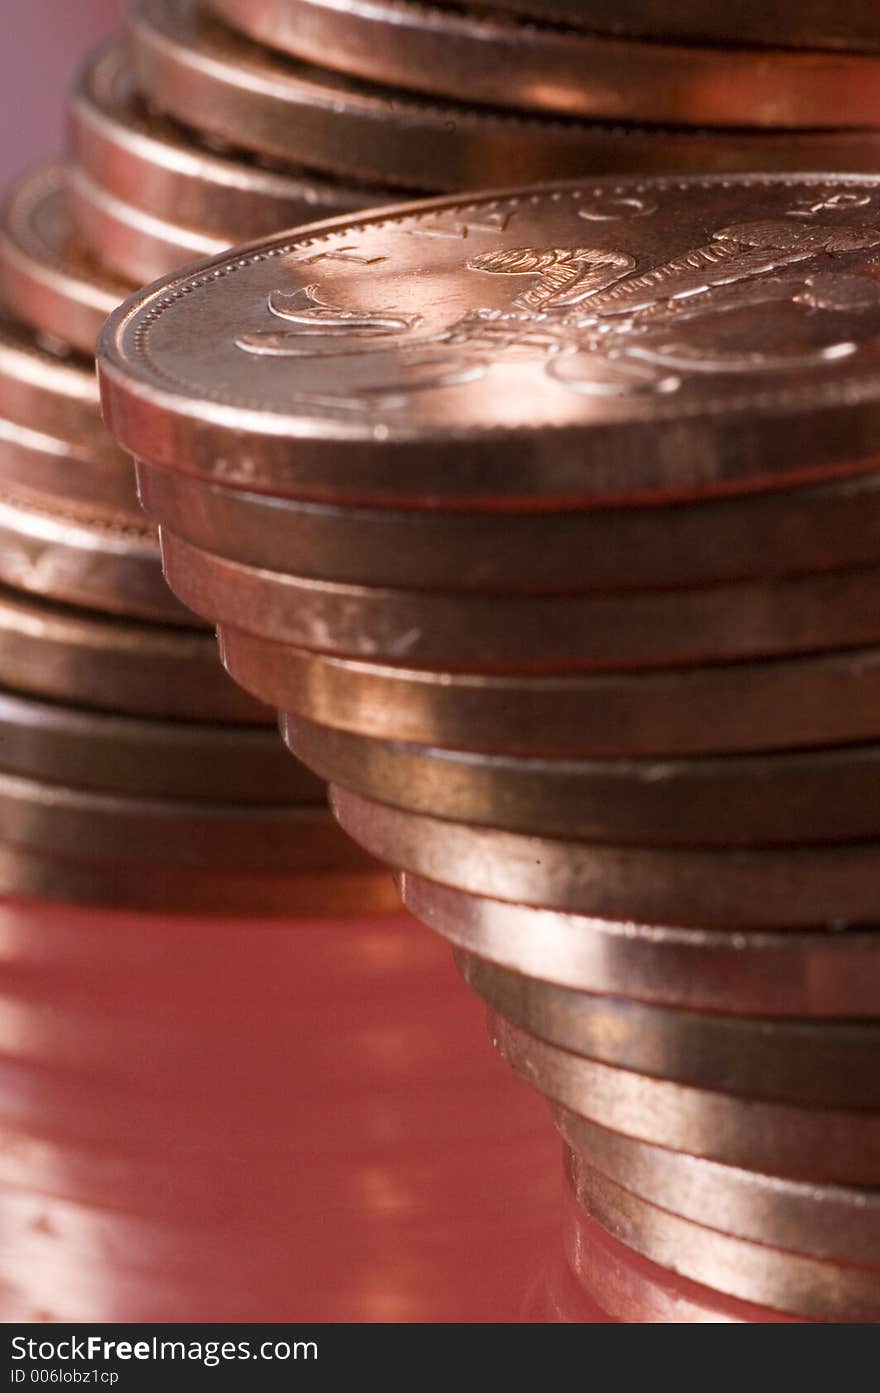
(216,81)
(148,758)
(219,891)
(95,563)
(818,24)
(791,973)
(136,244)
(833,1222)
(46,277)
(826,1063)
(148,162)
(502,61)
(561,346)
(827,527)
(55,473)
(804,886)
(565,633)
(754,1272)
(798,1143)
(117,665)
(792,796)
(826,699)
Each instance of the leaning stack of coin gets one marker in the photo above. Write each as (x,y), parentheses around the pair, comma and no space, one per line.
(132,771)
(548,519)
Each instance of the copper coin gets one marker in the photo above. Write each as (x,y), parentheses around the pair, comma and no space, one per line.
(476,633)
(823,1062)
(134,243)
(560,346)
(793,796)
(57,474)
(119,885)
(804,886)
(46,277)
(834,1222)
(782,1139)
(754,1272)
(149,162)
(272,838)
(54,391)
(218,82)
(826,699)
(827,527)
(502,61)
(790,973)
(98,564)
(117,665)
(148,758)
(819,24)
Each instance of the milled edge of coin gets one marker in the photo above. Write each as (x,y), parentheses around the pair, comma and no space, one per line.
(752,1272)
(833,1222)
(800,431)
(824,1063)
(783,974)
(825,1144)
(806,886)
(43,281)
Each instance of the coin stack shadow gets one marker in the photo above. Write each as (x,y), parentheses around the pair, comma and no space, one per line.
(604,690)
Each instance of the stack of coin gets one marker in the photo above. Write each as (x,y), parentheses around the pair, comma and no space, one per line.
(132,771)
(549,521)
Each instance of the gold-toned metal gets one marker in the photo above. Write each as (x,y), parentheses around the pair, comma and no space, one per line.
(57,474)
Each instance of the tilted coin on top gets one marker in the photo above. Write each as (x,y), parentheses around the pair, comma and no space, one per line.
(585,343)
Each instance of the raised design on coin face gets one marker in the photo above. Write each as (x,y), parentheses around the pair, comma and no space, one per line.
(594,305)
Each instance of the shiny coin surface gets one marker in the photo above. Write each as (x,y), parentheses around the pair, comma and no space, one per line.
(791,973)
(147,161)
(827,527)
(116,665)
(98,564)
(795,796)
(446,51)
(58,474)
(216,81)
(557,346)
(828,1144)
(828,699)
(805,886)
(835,1222)
(148,758)
(827,1063)
(478,633)
(790,1282)
(46,277)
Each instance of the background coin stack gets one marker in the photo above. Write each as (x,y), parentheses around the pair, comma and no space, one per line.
(558,548)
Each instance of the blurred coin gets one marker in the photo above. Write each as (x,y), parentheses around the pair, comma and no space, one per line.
(805,886)
(825,699)
(218,82)
(116,665)
(803,1286)
(477,633)
(98,564)
(775,1138)
(55,473)
(148,162)
(555,69)
(825,1062)
(834,1222)
(794,796)
(46,277)
(558,346)
(790,973)
(148,758)
(822,528)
